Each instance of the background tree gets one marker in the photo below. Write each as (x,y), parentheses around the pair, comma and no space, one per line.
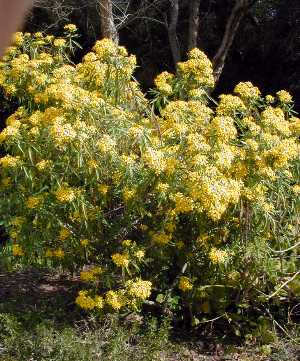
(255,40)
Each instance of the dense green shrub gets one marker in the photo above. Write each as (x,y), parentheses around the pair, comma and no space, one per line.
(180,200)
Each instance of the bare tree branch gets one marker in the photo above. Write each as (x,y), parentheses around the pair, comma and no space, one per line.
(239,10)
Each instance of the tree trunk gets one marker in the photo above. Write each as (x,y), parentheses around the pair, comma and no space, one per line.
(194,8)
(108,27)
(172,31)
(239,10)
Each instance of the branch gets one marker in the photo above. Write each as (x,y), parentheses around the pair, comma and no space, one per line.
(284,284)
(238,12)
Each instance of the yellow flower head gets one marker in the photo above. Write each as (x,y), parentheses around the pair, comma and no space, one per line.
(70,27)
(17,250)
(34,202)
(217,256)
(49,253)
(64,233)
(127,243)
(9,161)
(65,194)
(59,43)
(85,301)
(139,289)
(120,260)
(59,253)
(115,299)
(140,254)
(84,242)
(43,164)
(103,188)
(185,284)
(91,274)
(247,91)
(161,238)
(284,96)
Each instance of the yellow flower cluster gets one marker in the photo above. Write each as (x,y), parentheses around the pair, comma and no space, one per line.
(162,82)
(229,105)
(88,303)
(65,194)
(115,299)
(218,256)
(91,274)
(139,289)
(17,250)
(197,69)
(44,164)
(185,284)
(284,96)
(64,233)
(120,260)
(34,202)
(9,161)
(247,91)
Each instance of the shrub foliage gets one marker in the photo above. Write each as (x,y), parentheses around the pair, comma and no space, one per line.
(181,199)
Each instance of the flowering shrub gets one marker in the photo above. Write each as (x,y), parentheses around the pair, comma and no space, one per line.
(184,199)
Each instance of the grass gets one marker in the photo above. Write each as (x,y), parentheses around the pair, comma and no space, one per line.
(38,322)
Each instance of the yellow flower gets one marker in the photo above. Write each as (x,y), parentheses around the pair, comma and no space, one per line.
(70,27)
(98,302)
(59,253)
(161,238)
(128,194)
(284,96)
(247,91)
(127,243)
(34,202)
(64,233)
(296,189)
(6,182)
(185,284)
(85,301)
(183,204)
(103,188)
(9,161)
(179,245)
(8,132)
(49,253)
(91,274)
(140,254)
(270,99)
(229,105)
(115,299)
(65,194)
(43,164)
(162,82)
(121,260)
(139,289)
(59,42)
(18,38)
(106,144)
(84,242)
(17,250)
(217,256)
